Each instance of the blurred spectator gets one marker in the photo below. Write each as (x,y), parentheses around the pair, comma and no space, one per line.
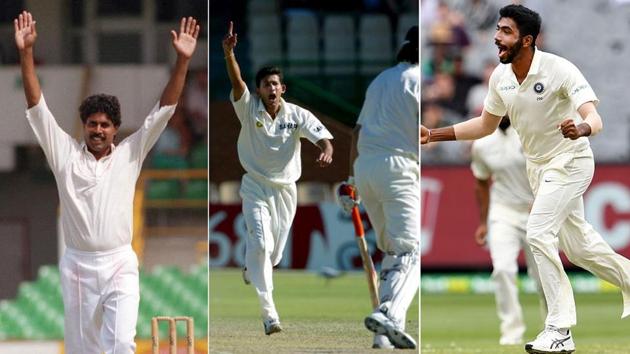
(176,138)
(195,103)
(449,28)
(477,94)
(480,15)
(463,83)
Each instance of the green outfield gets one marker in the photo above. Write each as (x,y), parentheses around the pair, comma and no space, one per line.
(467,323)
(318,316)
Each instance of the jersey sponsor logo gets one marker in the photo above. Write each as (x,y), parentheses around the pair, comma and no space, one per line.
(539,88)
(578,89)
(283,126)
(507,87)
(259,124)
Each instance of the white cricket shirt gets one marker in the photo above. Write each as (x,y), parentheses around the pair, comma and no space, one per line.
(390,113)
(499,157)
(96,196)
(552,91)
(270,148)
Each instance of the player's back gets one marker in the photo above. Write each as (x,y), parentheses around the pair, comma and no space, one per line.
(389,117)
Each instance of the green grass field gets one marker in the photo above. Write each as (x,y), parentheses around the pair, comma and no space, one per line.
(317,316)
(468,324)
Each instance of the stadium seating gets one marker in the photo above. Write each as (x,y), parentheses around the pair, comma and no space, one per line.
(302,43)
(339,38)
(375,36)
(265,41)
(37,311)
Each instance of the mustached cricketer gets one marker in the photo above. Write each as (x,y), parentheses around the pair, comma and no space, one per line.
(96,183)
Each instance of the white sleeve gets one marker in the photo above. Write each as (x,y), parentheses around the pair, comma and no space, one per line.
(479,168)
(493,103)
(56,143)
(312,129)
(242,107)
(576,87)
(143,139)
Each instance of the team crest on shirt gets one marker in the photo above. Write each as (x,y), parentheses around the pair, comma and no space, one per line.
(539,88)
(259,124)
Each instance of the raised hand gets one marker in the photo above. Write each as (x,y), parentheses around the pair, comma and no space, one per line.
(230,40)
(25,33)
(186,41)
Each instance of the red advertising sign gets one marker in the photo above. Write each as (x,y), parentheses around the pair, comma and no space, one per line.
(321,236)
(450,214)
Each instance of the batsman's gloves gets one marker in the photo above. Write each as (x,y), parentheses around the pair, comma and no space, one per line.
(348,195)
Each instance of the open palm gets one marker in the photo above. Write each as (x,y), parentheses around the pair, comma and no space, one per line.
(25,33)
(186,41)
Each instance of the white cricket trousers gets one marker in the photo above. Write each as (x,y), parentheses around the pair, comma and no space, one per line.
(506,238)
(557,220)
(101,294)
(269,210)
(389,186)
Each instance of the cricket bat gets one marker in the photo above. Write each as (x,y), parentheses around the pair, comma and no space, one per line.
(368,265)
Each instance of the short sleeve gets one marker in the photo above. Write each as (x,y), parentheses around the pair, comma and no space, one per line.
(56,143)
(243,106)
(493,103)
(478,166)
(575,86)
(312,129)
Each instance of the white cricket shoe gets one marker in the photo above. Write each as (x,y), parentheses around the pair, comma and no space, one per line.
(378,323)
(551,340)
(382,342)
(246,277)
(272,326)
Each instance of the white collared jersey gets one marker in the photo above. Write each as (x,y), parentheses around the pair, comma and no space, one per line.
(270,148)
(552,91)
(389,117)
(499,157)
(96,196)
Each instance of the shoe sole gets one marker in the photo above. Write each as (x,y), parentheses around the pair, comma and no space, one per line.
(399,339)
(531,350)
(273,329)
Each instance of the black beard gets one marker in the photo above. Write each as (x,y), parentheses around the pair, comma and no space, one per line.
(512,52)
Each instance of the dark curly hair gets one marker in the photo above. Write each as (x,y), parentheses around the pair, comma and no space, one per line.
(101,103)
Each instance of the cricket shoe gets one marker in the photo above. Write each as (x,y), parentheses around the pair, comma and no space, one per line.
(272,326)
(382,342)
(551,340)
(246,277)
(378,323)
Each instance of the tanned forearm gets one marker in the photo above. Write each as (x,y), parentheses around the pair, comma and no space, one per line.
(471,129)
(234,73)
(32,90)
(482,192)
(175,86)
